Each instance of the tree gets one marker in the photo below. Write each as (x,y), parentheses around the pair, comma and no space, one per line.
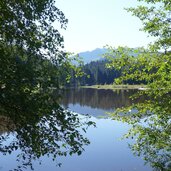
(32,62)
(150,119)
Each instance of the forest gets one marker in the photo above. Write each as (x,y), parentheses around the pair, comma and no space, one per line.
(98,72)
(94,72)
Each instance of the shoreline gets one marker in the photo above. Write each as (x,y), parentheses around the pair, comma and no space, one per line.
(115,87)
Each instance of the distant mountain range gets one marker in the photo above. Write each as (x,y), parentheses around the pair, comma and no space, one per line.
(93,55)
(97,54)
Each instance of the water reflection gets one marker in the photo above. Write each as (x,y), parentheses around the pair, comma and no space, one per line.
(150,120)
(101,99)
(61,133)
(150,127)
(105,152)
(36,130)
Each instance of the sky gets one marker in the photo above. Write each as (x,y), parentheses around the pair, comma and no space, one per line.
(96,23)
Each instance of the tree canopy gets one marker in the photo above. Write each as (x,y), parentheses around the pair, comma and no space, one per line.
(150,119)
(32,62)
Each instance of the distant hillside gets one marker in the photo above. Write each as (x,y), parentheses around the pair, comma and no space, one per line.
(93,55)
(97,54)
(95,70)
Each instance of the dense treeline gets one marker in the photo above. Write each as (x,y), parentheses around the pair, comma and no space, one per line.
(94,72)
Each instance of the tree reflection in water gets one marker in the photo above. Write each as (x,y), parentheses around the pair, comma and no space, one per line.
(54,133)
(149,115)
(98,98)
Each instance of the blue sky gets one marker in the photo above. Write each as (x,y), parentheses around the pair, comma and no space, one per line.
(96,23)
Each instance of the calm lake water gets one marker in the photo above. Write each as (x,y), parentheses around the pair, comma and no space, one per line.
(106,152)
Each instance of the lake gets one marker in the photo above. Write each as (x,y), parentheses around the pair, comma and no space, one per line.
(106,152)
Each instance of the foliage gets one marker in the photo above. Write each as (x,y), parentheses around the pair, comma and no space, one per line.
(28,24)
(156,20)
(54,134)
(150,119)
(32,62)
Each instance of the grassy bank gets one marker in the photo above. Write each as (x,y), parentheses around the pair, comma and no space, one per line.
(112,86)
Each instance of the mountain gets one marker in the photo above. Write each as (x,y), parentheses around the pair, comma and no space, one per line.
(97,54)
(94,55)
